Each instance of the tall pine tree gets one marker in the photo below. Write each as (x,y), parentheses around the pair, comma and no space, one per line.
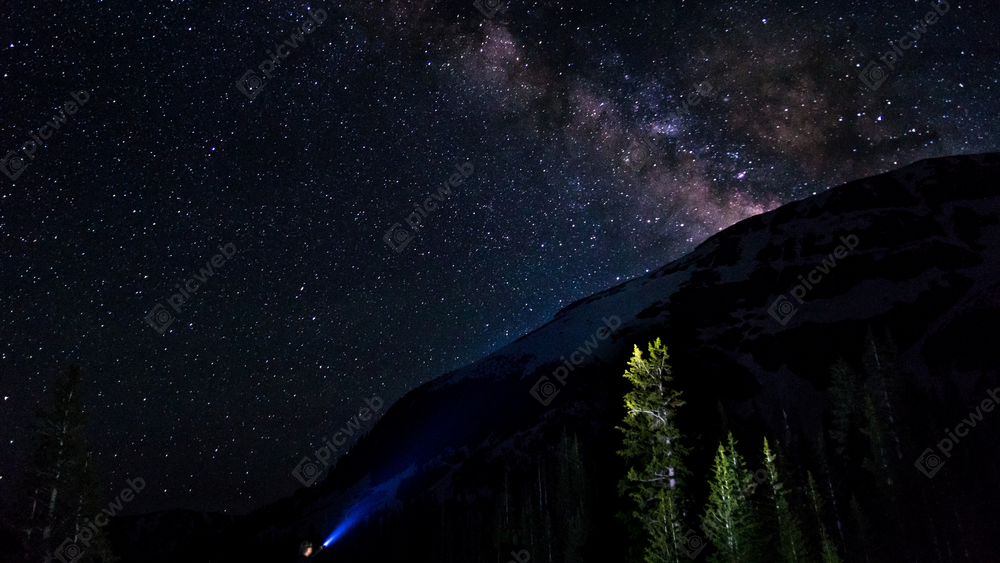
(864,528)
(791,542)
(571,505)
(883,428)
(63,487)
(845,407)
(652,446)
(827,478)
(729,516)
(828,550)
(881,361)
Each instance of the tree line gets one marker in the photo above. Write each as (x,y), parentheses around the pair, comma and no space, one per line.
(858,490)
(855,492)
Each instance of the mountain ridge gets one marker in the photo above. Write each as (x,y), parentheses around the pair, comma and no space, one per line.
(928,249)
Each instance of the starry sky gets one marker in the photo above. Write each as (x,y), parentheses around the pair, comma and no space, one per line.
(407,187)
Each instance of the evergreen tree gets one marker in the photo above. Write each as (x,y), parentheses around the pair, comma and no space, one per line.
(863,527)
(571,505)
(828,550)
(729,516)
(64,492)
(881,361)
(791,543)
(844,406)
(504,534)
(545,539)
(877,460)
(652,447)
(907,403)
(827,479)
(879,426)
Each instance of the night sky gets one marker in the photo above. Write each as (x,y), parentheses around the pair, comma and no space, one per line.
(603,140)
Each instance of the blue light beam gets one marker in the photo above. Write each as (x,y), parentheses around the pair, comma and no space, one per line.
(363,508)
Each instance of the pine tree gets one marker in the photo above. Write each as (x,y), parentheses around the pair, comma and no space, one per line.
(89,506)
(828,550)
(503,532)
(652,446)
(907,403)
(881,361)
(729,516)
(879,426)
(827,477)
(844,406)
(64,490)
(879,422)
(877,462)
(791,543)
(545,539)
(571,505)
(863,526)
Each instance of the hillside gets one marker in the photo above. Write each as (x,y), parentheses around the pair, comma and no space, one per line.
(753,318)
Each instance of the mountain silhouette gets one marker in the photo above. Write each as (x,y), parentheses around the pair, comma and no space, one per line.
(753,318)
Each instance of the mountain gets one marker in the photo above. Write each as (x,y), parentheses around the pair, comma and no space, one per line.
(475,464)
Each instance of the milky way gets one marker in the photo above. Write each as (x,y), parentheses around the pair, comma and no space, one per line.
(605,140)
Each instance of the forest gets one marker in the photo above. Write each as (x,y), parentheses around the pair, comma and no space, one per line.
(897,473)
